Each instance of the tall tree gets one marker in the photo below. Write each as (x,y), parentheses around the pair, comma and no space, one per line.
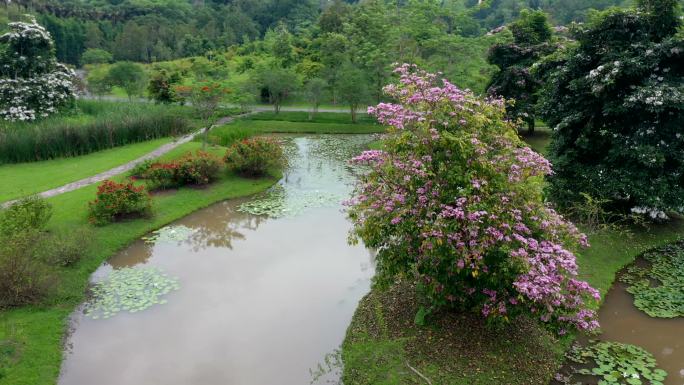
(532,36)
(616,102)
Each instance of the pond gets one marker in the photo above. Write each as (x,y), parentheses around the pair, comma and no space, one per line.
(622,322)
(247,299)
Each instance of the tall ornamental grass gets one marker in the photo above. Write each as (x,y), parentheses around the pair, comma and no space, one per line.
(96,126)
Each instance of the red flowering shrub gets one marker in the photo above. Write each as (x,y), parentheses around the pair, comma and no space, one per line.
(254,156)
(455,202)
(116,201)
(198,169)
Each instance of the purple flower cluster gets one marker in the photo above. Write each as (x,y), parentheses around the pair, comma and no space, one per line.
(456,201)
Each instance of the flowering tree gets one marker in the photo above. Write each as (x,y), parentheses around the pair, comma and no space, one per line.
(205,99)
(33,84)
(616,102)
(455,202)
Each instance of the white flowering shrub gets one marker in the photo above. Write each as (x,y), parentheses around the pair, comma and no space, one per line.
(616,101)
(33,84)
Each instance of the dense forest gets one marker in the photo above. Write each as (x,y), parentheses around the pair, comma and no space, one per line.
(157,30)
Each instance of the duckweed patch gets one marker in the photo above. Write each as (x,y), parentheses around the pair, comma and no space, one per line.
(658,289)
(129,289)
(612,363)
(169,234)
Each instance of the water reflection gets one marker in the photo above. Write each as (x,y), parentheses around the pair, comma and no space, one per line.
(261,300)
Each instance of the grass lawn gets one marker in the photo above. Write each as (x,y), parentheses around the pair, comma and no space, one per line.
(31,337)
(23,179)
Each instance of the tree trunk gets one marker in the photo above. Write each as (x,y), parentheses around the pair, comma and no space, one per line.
(353,113)
(530,127)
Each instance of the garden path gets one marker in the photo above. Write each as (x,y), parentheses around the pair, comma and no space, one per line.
(127,166)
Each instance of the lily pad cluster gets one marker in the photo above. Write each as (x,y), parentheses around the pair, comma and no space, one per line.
(658,289)
(169,234)
(277,203)
(129,289)
(612,363)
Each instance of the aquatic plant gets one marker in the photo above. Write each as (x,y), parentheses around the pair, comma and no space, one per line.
(613,363)
(456,203)
(665,299)
(129,289)
(278,203)
(169,234)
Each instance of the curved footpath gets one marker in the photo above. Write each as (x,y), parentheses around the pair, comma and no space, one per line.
(126,166)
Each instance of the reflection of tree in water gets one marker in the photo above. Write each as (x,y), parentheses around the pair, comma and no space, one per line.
(219,225)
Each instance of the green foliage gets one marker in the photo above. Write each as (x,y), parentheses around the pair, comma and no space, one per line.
(196,170)
(615,102)
(96,56)
(62,248)
(532,37)
(278,84)
(101,125)
(118,201)
(161,86)
(353,88)
(613,363)
(98,81)
(659,288)
(28,214)
(129,76)
(129,289)
(254,157)
(24,279)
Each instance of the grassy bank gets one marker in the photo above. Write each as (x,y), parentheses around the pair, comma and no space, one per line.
(30,178)
(452,349)
(31,337)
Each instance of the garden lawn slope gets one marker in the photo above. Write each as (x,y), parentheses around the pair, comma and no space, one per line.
(31,338)
(24,179)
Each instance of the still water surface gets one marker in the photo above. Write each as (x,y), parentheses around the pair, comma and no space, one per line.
(261,301)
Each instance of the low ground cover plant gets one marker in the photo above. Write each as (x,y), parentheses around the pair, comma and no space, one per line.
(455,203)
(116,201)
(254,157)
(197,169)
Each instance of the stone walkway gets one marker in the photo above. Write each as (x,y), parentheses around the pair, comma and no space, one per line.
(127,166)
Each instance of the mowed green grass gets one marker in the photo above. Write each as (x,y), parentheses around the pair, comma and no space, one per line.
(36,333)
(24,179)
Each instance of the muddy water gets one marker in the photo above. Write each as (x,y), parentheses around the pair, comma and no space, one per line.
(622,322)
(261,300)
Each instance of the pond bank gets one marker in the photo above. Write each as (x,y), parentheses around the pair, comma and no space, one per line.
(36,333)
(368,356)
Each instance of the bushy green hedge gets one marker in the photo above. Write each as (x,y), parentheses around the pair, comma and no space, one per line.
(96,126)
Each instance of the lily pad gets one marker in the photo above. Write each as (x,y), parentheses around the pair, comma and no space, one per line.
(129,289)
(658,289)
(169,234)
(612,363)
